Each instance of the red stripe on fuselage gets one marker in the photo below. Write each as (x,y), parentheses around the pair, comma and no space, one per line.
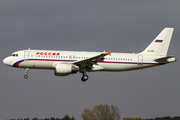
(17,64)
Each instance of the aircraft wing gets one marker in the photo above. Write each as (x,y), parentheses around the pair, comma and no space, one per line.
(92,60)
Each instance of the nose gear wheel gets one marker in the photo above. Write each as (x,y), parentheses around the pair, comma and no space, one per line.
(26,75)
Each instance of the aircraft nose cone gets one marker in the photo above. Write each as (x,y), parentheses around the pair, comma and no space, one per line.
(6,61)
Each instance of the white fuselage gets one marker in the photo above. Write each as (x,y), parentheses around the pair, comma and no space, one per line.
(45,59)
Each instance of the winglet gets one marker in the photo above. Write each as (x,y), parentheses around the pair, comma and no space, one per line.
(109,53)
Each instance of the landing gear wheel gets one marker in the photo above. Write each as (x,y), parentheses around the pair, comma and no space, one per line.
(25,76)
(84,78)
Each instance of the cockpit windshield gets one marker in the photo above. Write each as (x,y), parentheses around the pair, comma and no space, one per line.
(15,55)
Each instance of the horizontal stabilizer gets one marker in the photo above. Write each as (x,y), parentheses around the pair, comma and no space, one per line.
(166,59)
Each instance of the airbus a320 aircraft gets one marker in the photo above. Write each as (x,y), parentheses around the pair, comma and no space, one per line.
(65,63)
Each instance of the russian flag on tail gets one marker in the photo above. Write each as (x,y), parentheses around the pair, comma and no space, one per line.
(158,41)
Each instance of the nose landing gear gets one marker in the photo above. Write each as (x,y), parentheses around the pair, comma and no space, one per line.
(26,75)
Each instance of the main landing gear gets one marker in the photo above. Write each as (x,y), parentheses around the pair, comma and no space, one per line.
(26,75)
(84,77)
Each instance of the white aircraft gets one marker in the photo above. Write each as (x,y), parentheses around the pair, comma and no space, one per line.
(65,63)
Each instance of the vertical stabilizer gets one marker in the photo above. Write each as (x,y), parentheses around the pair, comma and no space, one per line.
(159,46)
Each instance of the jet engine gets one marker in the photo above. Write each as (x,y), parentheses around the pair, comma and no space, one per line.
(65,69)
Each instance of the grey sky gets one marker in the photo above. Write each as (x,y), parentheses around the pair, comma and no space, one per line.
(120,26)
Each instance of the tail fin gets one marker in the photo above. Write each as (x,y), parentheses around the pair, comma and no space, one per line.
(159,46)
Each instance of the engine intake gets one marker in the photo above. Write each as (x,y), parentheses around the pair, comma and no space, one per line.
(65,69)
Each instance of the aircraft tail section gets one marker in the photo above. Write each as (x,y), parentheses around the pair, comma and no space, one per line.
(159,46)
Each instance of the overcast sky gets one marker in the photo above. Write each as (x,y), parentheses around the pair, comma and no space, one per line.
(118,26)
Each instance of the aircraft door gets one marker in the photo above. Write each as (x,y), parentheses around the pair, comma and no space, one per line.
(140,59)
(26,55)
(72,57)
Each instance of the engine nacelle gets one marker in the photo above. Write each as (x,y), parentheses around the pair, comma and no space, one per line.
(65,69)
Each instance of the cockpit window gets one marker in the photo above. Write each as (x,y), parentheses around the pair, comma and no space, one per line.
(15,55)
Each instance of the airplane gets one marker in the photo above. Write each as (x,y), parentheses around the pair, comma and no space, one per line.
(65,63)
